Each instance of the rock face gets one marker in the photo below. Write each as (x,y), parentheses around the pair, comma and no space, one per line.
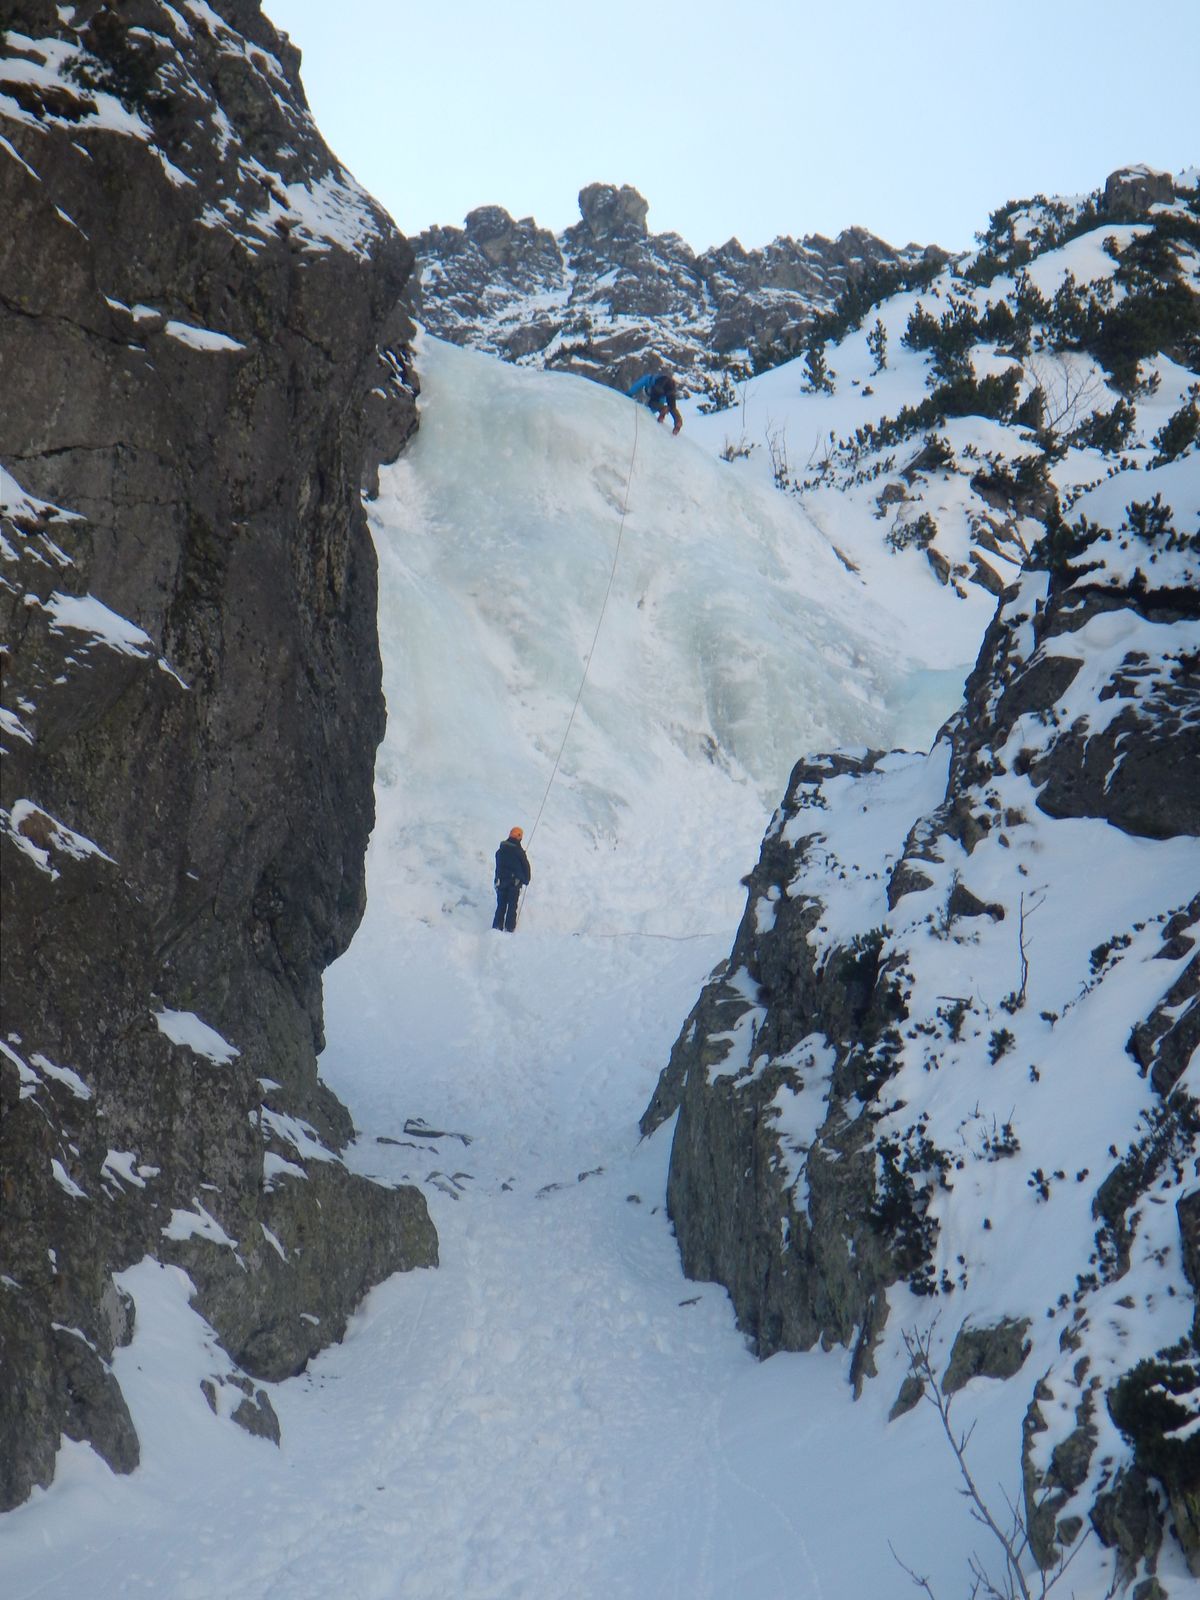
(930,978)
(204,365)
(607,297)
(1131,191)
(802,1263)
(772,1184)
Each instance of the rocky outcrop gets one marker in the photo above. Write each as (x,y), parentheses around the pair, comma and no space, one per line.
(205,362)
(1131,191)
(609,213)
(942,958)
(998,1351)
(607,297)
(772,1172)
(1131,761)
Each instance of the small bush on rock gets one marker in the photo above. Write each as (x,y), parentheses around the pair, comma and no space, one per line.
(909,1167)
(921,533)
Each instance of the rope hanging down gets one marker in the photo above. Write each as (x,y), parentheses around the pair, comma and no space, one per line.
(587,661)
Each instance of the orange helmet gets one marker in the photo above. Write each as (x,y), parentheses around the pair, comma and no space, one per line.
(516,833)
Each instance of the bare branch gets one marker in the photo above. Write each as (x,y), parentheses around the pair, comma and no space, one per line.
(1011,1583)
(917,1581)
(1019,997)
(1069,388)
(919,1348)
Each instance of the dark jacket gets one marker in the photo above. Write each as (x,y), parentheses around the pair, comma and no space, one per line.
(512,864)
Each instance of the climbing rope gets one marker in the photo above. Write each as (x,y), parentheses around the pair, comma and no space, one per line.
(587,660)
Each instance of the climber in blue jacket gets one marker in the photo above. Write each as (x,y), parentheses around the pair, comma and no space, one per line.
(658,391)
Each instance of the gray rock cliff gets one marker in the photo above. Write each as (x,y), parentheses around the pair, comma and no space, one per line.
(607,297)
(204,363)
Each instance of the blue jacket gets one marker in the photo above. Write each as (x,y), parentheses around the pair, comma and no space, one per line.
(656,389)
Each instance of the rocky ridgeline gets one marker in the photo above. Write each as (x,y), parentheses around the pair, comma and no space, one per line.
(203,365)
(607,296)
(951,1062)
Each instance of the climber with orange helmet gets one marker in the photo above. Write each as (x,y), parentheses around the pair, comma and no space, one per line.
(512,873)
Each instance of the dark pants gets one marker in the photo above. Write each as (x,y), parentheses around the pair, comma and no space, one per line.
(507,895)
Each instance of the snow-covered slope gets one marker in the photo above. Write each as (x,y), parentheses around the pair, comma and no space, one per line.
(942,427)
(557,1411)
(733,634)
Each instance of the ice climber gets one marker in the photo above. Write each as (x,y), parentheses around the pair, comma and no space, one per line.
(512,874)
(658,391)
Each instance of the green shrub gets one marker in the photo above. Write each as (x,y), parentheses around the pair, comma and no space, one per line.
(921,532)
(877,345)
(815,366)
(1075,316)
(1154,523)
(1153,1406)
(1108,431)
(948,338)
(866,289)
(1031,413)
(1000,1043)
(1049,225)
(722,396)
(1178,433)
(910,1167)
(965,395)
(1150,322)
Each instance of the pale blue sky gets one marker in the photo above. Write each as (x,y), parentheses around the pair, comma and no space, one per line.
(750,119)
